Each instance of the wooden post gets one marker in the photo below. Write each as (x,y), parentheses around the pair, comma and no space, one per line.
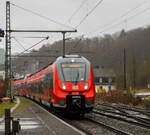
(7,122)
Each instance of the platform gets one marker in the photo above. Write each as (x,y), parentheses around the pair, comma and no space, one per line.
(35,120)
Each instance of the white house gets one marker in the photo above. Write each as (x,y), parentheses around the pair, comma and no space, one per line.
(104,78)
(2,75)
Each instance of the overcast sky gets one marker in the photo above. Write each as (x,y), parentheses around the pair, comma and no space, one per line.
(99,22)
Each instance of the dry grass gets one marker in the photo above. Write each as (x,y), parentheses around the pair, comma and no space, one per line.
(142,91)
(119,96)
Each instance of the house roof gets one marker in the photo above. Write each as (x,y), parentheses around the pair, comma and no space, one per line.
(102,72)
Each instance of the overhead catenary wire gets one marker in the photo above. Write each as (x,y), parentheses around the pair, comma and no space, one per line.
(24,37)
(77,10)
(125,14)
(84,18)
(34,45)
(76,44)
(120,17)
(42,16)
(128,19)
(19,43)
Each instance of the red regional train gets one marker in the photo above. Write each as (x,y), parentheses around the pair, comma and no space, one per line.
(66,85)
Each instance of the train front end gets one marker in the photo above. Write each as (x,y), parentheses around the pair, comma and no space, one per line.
(74,85)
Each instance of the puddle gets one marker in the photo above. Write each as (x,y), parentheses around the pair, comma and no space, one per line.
(26,123)
(2,126)
(143,94)
(29,123)
(29,127)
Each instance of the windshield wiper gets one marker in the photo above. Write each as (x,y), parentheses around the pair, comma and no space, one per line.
(77,78)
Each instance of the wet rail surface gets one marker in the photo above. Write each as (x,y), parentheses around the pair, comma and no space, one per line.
(125,108)
(128,115)
(94,127)
(140,122)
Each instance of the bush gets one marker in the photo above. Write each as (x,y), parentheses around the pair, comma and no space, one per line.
(119,96)
(146,102)
(2,88)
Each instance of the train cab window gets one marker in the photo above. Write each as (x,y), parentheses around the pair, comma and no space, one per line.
(74,72)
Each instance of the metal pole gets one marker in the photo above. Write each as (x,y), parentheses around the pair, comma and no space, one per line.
(63,43)
(134,72)
(45,31)
(8,52)
(124,59)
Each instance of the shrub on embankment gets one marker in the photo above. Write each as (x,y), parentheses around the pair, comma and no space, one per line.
(119,96)
(2,88)
(146,102)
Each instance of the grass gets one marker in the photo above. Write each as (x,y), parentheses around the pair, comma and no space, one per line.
(5,106)
(23,104)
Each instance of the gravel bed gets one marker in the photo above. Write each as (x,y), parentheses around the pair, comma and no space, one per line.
(92,128)
(135,130)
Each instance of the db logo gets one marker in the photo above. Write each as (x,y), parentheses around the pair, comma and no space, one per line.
(75,87)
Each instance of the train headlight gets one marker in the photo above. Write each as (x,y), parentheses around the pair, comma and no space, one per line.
(62,102)
(72,60)
(89,101)
(63,86)
(86,86)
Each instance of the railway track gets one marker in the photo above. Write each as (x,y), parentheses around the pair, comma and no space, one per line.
(88,123)
(122,115)
(113,129)
(93,127)
(126,108)
(144,125)
(140,119)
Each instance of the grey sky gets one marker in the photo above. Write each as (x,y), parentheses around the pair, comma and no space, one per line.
(61,11)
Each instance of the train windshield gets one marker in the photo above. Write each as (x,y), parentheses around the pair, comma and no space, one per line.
(73,72)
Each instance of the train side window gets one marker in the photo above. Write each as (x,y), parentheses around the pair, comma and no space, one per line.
(29,87)
(51,81)
(26,85)
(40,87)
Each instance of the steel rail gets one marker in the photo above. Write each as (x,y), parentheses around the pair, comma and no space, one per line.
(144,125)
(143,111)
(140,119)
(115,130)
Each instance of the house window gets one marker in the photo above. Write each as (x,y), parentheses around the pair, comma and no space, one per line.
(110,80)
(100,80)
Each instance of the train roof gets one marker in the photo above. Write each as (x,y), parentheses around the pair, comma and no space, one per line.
(40,69)
(17,79)
(66,58)
(71,58)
